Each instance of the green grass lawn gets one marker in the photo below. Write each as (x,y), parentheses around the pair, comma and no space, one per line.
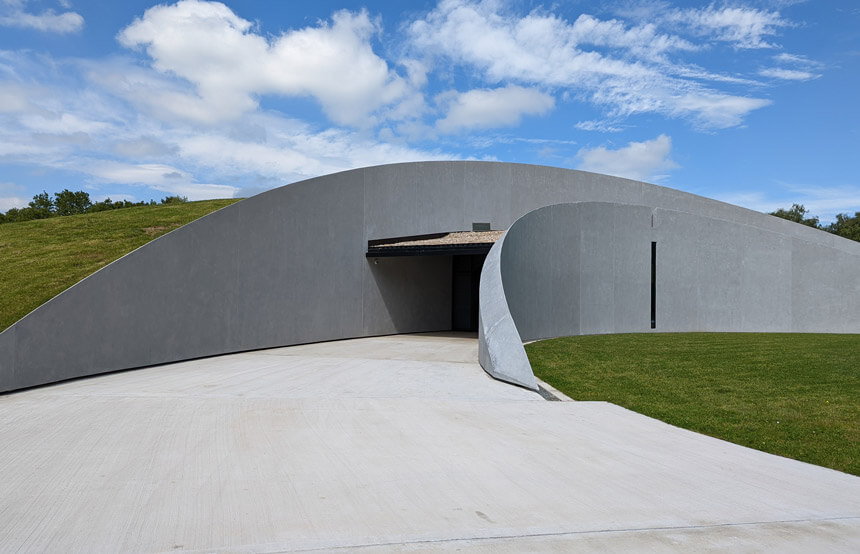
(39,259)
(795,395)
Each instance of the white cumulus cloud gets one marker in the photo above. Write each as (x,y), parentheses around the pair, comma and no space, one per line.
(741,26)
(11,197)
(147,174)
(792,67)
(97,124)
(177,109)
(159,177)
(292,151)
(628,74)
(601,126)
(788,74)
(14,98)
(642,41)
(717,110)
(13,14)
(230,65)
(61,123)
(9,202)
(489,108)
(638,160)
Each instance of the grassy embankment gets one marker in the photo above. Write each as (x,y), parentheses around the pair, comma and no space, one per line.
(39,259)
(795,395)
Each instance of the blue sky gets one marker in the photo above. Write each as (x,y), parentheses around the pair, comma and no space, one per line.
(753,102)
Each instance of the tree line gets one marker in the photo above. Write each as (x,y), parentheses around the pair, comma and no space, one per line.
(72,203)
(846,225)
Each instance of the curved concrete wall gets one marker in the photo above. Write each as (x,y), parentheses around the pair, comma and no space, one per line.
(585,268)
(288,266)
(500,348)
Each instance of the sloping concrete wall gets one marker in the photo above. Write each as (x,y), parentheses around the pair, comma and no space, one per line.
(500,348)
(288,266)
(585,268)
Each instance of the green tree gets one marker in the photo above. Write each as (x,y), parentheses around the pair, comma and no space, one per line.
(104,205)
(108,204)
(24,214)
(43,203)
(798,214)
(71,203)
(846,226)
(174,200)
(40,207)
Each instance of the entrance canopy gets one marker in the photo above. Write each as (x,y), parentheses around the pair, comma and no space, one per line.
(438,244)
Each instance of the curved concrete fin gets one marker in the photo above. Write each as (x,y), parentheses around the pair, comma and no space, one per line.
(500,351)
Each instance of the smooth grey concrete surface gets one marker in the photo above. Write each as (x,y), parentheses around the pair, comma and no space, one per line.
(585,268)
(288,267)
(395,443)
(500,348)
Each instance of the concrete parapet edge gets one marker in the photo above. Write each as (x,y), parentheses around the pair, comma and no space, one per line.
(500,349)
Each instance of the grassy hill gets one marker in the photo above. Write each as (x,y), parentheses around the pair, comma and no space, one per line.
(795,395)
(39,259)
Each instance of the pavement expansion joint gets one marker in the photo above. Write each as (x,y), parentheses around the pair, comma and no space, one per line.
(522,536)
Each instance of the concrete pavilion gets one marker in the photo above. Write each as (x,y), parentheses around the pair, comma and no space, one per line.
(583,253)
(311,377)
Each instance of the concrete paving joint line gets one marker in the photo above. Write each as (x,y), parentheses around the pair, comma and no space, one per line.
(551,393)
(559,534)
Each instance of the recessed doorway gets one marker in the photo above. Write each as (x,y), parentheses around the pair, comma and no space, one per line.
(466,251)
(466,279)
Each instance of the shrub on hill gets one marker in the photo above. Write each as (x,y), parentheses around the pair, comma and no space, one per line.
(72,203)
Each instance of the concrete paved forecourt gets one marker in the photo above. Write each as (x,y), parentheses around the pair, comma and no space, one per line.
(380,444)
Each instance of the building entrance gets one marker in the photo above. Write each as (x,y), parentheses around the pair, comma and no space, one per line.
(466,251)
(466,278)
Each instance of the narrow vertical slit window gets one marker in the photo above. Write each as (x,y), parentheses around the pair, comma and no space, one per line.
(653,285)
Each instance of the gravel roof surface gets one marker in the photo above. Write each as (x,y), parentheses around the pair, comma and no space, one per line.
(458,237)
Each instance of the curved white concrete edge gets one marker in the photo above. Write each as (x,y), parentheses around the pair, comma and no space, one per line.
(500,350)
(584,268)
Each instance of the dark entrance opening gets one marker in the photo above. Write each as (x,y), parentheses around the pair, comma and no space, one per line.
(467,251)
(466,278)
